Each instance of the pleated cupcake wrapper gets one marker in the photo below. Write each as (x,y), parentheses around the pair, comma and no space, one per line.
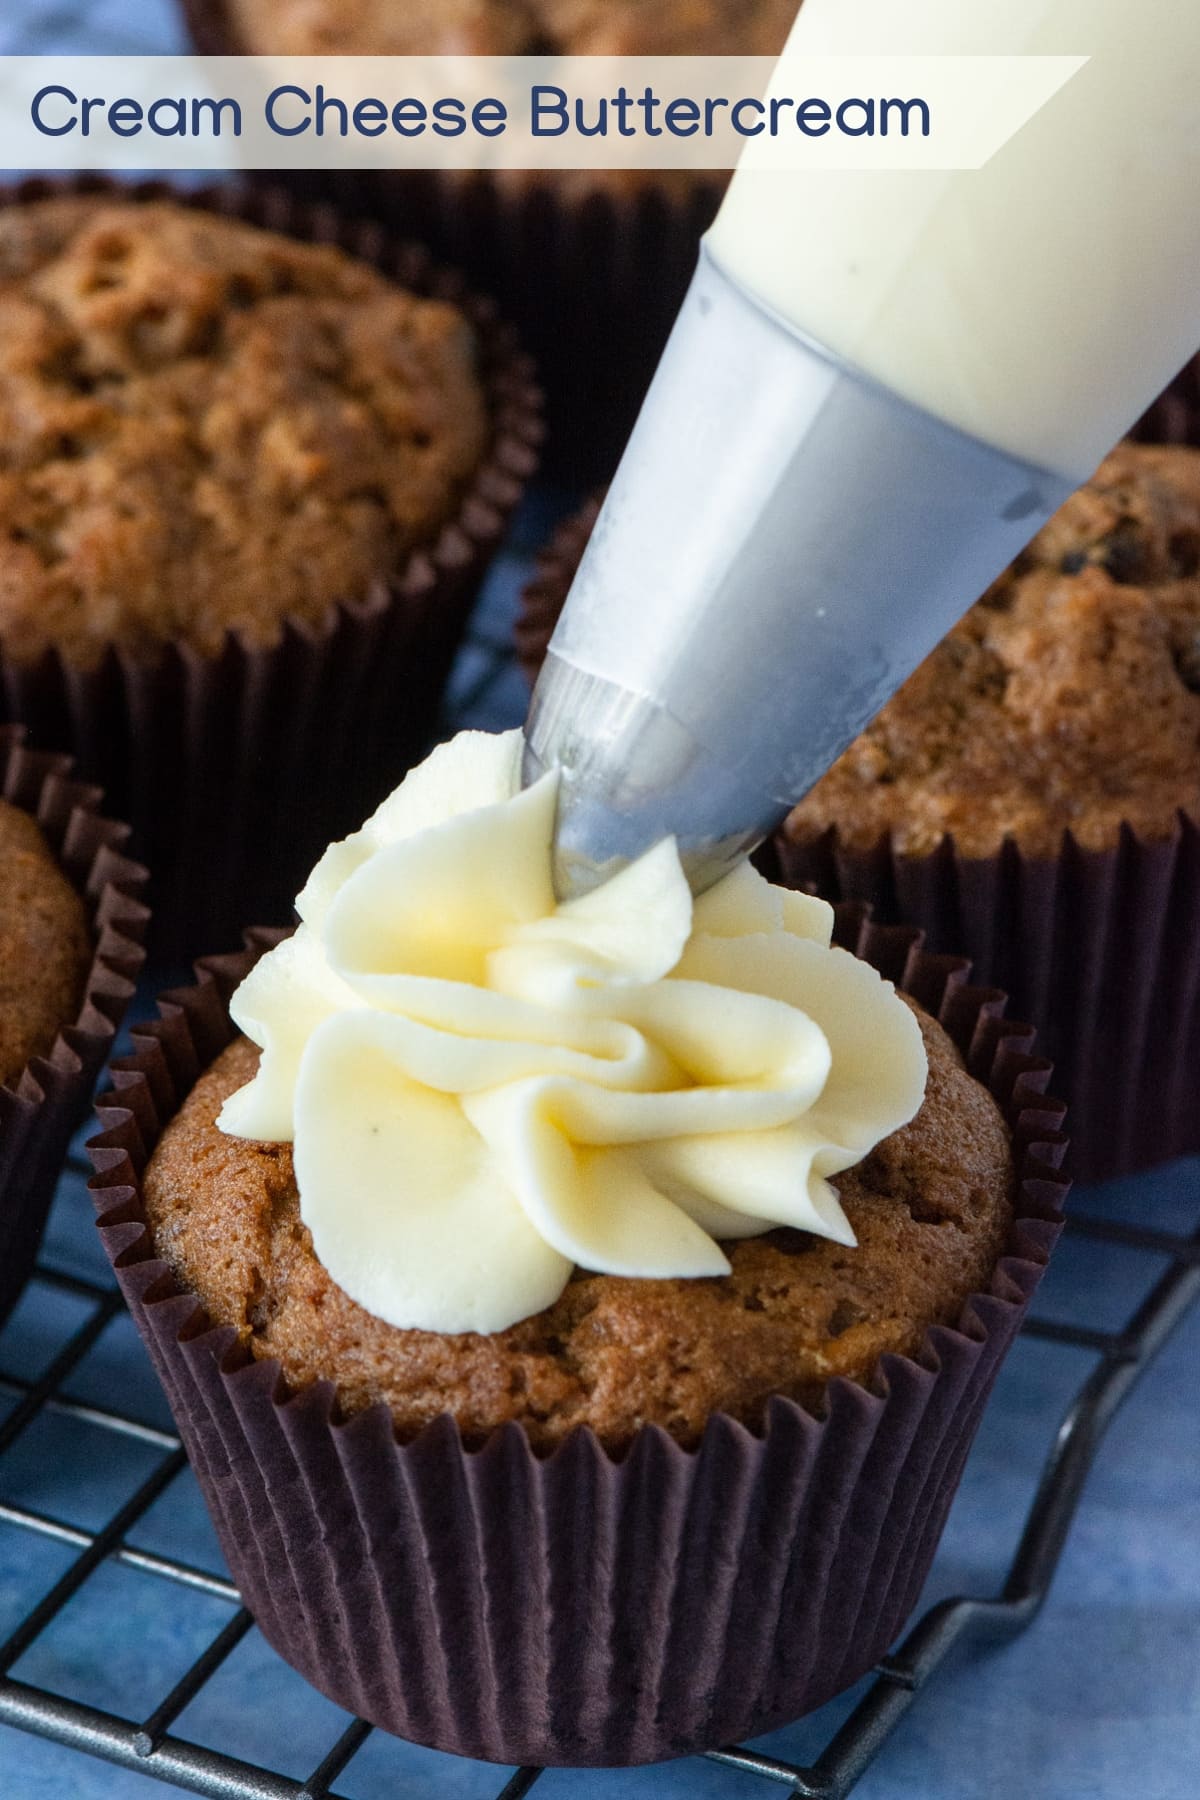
(579,1608)
(1101,948)
(592,280)
(236,769)
(42,1107)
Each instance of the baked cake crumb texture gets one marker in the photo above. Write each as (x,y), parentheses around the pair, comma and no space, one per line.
(205,427)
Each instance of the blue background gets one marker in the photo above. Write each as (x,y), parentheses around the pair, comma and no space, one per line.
(1100,1700)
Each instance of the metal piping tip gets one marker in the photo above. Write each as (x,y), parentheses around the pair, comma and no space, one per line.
(783,543)
(627,770)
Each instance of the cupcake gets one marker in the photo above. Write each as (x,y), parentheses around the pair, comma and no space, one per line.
(628,1273)
(1031,797)
(591,264)
(71,927)
(248,485)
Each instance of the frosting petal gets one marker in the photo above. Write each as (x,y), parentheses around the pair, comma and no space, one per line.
(279,1005)
(409,910)
(633,929)
(877,1069)
(402,1195)
(761,1175)
(595,1204)
(486,1089)
(474,769)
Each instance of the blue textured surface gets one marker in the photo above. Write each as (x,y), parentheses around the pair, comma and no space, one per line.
(1100,1700)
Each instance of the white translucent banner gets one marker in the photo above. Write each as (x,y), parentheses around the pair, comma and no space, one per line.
(445,112)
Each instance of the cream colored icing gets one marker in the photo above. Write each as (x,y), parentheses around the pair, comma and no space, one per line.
(486,1089)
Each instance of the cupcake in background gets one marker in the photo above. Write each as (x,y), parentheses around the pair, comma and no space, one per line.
(1031,797)
(630,1273)
(591,264)
(72,920)
(249,484)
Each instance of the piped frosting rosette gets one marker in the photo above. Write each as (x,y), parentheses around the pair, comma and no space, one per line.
(486,1089)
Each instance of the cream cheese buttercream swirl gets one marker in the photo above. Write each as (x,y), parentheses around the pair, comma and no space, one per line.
(486,1089)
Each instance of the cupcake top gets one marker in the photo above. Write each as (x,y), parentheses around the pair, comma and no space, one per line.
(629,1158)
(45,947)
(205,427)
(930,1209)
(513,27)
(616,1082)
(1067,699)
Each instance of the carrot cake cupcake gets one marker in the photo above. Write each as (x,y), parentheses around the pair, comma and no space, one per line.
(626,1273)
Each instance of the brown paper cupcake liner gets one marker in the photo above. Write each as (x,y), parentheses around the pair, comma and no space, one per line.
(1102,948)
(579,1608)
(592,278)
(236,769)
(42,1107)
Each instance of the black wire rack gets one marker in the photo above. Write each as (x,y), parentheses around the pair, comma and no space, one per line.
(148,1743)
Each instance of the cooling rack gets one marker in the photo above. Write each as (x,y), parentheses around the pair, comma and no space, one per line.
(136,1472)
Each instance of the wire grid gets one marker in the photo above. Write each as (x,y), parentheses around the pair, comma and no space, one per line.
(483,693)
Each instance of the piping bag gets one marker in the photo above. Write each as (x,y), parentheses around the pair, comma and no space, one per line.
(880,385)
